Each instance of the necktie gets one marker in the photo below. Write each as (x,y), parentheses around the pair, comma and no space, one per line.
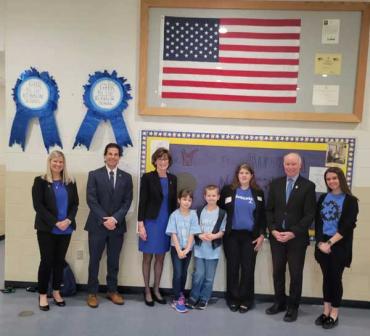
(111,179)
(289,189)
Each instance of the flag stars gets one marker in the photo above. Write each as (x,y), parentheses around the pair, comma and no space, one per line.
(191,39)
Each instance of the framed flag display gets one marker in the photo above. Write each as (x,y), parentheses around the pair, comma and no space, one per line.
(253,59)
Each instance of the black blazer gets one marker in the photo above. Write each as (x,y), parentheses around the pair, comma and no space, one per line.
(151,196)
(298,213)
(227,202)
(44,203)
(105,203)
(346,224)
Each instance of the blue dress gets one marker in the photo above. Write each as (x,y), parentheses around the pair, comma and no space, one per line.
(157,241)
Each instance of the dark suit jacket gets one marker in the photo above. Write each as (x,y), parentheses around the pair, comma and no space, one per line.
(151,195)
(258,214)
(346,224)
(105,203)
(44,203)
(298,213)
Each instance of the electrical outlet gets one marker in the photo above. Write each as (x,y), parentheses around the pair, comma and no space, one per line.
(79,255)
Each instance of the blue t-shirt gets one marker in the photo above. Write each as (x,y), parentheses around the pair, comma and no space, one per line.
(183,226)
(243,210)
(61,197)
(208,220)
(331,211)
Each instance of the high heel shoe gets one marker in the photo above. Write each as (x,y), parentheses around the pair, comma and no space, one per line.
(148,303)
(59,303)
(43,308)
(157,299)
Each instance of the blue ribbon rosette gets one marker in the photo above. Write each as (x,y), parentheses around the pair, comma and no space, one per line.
(105,97)
(36,96)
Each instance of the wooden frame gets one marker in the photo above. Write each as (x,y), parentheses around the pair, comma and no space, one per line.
(353,116)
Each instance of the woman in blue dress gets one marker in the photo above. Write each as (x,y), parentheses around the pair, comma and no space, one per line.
(156,202)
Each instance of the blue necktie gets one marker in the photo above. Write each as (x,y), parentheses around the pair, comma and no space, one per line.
(289,189)
(111,179)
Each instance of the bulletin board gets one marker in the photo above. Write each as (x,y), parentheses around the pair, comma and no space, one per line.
(200,159)
(312,68)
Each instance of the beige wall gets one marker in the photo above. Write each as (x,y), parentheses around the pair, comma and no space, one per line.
(22,254)
(72,45)
(2,200)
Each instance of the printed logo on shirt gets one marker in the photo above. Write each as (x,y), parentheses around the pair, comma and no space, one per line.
(330,211)
(245,198)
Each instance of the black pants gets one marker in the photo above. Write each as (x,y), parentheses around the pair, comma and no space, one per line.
(332,267)
(97,243)
(180,272)
(292,253)
(53,249)
(240,265)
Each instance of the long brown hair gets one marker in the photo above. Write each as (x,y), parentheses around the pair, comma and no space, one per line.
(342,179)
(236,184)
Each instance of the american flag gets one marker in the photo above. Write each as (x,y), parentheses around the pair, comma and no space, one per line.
(235,59)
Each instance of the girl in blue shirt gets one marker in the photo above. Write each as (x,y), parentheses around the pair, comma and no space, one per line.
(335,221)
(244,203)
(182,226)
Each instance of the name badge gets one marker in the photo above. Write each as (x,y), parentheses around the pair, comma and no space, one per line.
(259,198)
(228,200)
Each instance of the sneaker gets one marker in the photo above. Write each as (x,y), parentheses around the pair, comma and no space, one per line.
(191,303)
(202,305)
(179,305)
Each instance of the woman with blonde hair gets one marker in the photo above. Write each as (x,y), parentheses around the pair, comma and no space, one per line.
(55,200)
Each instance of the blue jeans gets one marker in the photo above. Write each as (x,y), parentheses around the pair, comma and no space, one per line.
(180,272)
(203,277)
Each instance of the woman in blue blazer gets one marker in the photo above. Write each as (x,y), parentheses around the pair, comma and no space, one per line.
(55,201)
(335,221)
(244,203)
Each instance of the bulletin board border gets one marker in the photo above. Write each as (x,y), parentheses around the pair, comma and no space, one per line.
(288,142)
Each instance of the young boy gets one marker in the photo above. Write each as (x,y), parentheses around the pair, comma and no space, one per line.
(212,222)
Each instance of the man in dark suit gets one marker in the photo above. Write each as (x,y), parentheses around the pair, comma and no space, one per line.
(109,196)
(290,211)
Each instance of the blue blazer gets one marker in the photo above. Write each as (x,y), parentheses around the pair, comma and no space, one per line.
(103,202)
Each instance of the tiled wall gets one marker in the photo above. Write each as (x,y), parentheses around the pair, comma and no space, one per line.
(22,251)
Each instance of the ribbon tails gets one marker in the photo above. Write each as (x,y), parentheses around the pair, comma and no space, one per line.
(105,97)
(36,96)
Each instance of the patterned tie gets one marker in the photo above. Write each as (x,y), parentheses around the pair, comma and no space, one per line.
(111,179)
(289,188)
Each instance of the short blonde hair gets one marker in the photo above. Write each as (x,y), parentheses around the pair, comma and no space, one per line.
(65,176)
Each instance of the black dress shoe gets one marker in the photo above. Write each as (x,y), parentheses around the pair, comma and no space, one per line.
(275,309)
(59,303)
(233,307)
(321,320)
(147,302)
(43,308)
(157,299)
(330,323)
(243,309)
(291,315)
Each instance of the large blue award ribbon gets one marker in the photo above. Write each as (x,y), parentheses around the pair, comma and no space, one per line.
(105,97)
(36,96)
